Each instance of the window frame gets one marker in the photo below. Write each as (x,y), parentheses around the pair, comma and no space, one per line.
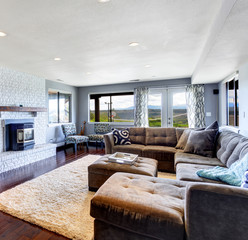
(107,94)
(235,88)
(58,92)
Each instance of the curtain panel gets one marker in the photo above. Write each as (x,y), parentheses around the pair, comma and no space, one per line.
(141,107)
(195,105)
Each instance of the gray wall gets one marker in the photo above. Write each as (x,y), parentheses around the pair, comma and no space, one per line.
(84,92)
(54,132)
(83,97)
(80,103)
(243,99)
(211,103)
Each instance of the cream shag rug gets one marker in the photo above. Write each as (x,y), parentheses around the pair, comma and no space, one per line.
(58,200)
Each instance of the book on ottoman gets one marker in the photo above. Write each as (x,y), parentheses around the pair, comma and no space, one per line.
(123,158)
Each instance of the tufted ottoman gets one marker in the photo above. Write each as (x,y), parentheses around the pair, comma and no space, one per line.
(102,169)
(134,207)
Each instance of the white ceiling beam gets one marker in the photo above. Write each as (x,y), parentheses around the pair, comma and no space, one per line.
(225,9)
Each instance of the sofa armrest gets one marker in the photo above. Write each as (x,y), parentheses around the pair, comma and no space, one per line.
(109,143)
(215,212)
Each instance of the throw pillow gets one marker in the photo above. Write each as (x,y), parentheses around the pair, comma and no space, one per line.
(183,135)
(245,181)
(121,137)
(201,143)
(183,139)
(235,175)
(214,126)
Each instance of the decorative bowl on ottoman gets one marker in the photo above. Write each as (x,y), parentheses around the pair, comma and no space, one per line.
(102,169)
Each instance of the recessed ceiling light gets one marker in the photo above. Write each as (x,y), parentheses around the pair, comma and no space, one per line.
(57,59)
(133,44)
(59,80)
(2,34)
(147,66)
(88,73)
(103,1)
(153,76)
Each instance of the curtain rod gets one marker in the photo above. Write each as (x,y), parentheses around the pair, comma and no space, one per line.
(169,86)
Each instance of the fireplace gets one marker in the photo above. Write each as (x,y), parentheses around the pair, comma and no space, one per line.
(19,135)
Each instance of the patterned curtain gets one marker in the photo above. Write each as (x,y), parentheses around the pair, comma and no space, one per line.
(195,105)
(141,107)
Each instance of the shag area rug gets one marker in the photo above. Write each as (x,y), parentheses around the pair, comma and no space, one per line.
(58,200)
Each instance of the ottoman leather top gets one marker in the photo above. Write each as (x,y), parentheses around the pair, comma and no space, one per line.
(149,205)
(144,166)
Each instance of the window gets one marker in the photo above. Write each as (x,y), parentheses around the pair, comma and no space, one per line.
(167,108)
(154,109)
(59,107)
(232,88)
(112,107)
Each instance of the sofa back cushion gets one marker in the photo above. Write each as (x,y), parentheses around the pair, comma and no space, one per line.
(226,143)
(69,129)
(137,135)
(236,154)
(161,136)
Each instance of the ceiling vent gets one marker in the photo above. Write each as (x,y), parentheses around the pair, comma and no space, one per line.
(134,80)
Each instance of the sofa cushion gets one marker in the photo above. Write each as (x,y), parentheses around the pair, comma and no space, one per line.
(161,136)
(187,172)
(147,205)
(236,154)
(137,135)
(201,142)
(102,169)
(226,143)
(164,155)
(133,148)
(181,157)
(121,137)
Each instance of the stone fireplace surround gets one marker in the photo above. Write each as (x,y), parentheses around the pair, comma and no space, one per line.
(18,88)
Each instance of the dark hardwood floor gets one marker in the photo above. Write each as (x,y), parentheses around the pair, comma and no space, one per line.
(12,228)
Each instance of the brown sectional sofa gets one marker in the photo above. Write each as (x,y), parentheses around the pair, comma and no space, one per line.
(131,206)
(157,143)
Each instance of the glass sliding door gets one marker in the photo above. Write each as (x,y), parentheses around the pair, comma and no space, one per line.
(155,109)
(167,108)
(177,109)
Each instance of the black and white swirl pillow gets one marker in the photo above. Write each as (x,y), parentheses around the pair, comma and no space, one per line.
(121,137)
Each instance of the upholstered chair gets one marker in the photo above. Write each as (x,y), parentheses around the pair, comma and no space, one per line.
(100,129)
(71,136)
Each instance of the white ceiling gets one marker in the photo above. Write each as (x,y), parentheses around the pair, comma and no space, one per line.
(178,38)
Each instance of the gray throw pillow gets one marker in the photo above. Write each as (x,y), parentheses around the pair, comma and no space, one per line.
(183,139)
(214,126)
(201,142)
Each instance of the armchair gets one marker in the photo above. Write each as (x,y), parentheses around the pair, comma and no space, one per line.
(100,129)
(71,137)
